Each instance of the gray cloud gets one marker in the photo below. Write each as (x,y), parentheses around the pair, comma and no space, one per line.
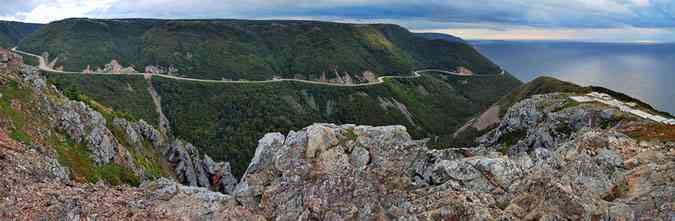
(420,14)
(536,13)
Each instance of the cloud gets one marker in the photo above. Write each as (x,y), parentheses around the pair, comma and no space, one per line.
(619,34)
(46,11)
(414,14)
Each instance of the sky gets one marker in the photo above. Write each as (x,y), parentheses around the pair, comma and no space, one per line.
(575,20)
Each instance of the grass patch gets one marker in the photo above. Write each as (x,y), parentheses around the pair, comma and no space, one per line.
(349,135)
(78,159)
(74,156)
(12,92)
(511,138)
(654,131)
(608,123)
(564,128)
(21,137)
(116,174)
(107,113)
(150,160)
(569,103)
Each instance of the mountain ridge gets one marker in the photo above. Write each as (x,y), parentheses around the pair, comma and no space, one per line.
(262,48)
(11,33)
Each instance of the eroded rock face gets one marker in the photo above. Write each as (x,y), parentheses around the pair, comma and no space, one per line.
(346,172)
(584,172)
(543,121)
(89,127)
(194,169)
(190,167)
(545,161)
(85,125)
(35,191)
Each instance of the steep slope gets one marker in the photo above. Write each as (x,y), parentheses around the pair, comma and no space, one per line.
(350,172)
(489,119)
(11,33)
(253,50)
(96,143)
(225,120)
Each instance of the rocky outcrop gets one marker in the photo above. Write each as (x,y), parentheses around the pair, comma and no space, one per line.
(190,167)
(543,122)
(357,172)
(329,172)
(114,67)
(80,123)
(548,159)
(584,172)
(369,76)
(88,126)
(171,70)
(32,189)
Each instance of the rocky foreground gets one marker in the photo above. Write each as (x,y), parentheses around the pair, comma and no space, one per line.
(547,160)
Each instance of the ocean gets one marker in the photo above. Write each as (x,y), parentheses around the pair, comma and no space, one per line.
(641,70)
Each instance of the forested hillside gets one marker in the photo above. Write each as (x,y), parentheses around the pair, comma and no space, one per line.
(11,33)
(225,120)
(252,50)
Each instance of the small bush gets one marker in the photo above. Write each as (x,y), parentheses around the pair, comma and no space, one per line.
(116,174)
(21,137)
(83,169)
(567,104)
(509,139)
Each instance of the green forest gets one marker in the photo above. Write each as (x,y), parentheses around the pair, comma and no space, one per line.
(226,120)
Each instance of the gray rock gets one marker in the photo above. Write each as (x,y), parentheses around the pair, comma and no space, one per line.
(360,157)
(610,158)
(87,126)
(131,134)
(198,170)
(180,154)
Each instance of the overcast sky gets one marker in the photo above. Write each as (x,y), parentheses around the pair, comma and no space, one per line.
(586,20)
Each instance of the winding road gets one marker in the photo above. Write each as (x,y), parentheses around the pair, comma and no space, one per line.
(44,67)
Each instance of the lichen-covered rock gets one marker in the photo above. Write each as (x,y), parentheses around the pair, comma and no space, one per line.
(85,125)
(194,169)
(547,160)
(341,172)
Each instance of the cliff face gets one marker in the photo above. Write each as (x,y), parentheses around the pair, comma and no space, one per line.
(330,172)
(95,143)
(547,160)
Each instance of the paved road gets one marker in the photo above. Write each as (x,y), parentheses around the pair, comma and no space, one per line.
(44,67)
(458,74)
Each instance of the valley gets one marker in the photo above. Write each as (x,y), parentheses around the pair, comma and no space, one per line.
(225,119)
(222,111)
(246,49)
(234,119)
(68,158)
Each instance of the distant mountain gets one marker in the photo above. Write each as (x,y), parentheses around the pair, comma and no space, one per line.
(225,120)
(542,85)
(11,33)
(440,36)
(246,49)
